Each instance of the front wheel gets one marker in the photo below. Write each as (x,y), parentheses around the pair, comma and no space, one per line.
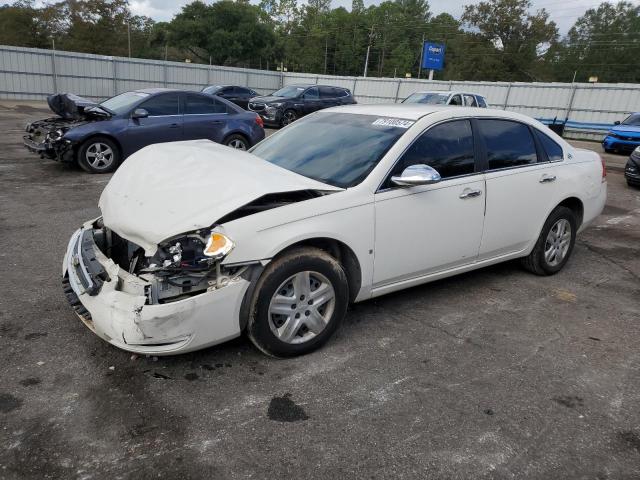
(299,303)
(555,244)
(99,155)
(289,116)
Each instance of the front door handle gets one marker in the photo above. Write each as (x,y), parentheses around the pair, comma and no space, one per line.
(547,178)
(174,125)
(469,193)
(215,122)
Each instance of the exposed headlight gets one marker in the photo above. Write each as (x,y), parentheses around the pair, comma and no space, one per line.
(56,134)
(218,245)
(275,105)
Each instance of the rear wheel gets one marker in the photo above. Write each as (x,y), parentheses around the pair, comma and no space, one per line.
(237,141)
(99,155)
(555,244)
(289,116)
(299,303)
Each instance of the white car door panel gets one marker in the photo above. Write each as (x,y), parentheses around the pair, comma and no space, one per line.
(422,230)
(518,202)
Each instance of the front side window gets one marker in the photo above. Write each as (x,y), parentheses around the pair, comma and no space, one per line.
(447,147)
(312,94)
(456,100)
(166,104)
(481,102)
(508,143)
(202,105)
(470,101)
(551,148)
(340,149)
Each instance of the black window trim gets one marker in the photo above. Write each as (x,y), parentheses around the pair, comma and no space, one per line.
(183,104)
(478,153)
(180,107)
(540,152)
(536,132)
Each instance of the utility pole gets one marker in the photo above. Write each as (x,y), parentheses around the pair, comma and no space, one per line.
(366,61)
(129,36)
(326,45)
(421,57)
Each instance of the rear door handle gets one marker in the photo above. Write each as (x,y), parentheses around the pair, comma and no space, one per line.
(216,122)
(174,125)
(469,193)
(547,178)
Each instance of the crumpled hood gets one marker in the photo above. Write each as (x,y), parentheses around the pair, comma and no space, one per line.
(69,106)
(167,189)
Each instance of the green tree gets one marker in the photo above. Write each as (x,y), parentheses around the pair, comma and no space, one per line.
(520,38)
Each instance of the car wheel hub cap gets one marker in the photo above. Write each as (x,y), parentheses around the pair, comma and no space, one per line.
(557,243)
(99,156)
(239,144)
(301,307)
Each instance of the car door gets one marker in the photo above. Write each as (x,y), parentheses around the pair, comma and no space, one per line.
(242,96)
(425,229)
(328,97)
(521,186)
(311,100)
(163,124)
(204,117)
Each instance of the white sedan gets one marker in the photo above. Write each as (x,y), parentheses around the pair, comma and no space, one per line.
(198,243)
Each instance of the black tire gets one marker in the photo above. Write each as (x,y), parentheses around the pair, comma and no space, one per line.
(91,146)
(288,117)
(237,141)
(536,262)
(261,321)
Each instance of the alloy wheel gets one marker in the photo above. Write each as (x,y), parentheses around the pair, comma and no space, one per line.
(558,242)
(238,144)
(99,156)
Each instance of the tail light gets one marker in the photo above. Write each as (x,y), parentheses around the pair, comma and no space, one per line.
(604,169)
(260,122)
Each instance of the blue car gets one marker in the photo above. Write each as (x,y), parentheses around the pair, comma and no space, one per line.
(99,136)
(624,136)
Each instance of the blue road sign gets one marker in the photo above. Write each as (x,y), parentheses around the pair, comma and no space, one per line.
(433,56)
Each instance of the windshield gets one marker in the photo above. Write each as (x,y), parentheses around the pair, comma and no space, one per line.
(289,92)
(633,120)
(340,149)
(212,89)
(122,103)
(429,98)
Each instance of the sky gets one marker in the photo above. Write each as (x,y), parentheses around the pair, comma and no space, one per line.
(563,12)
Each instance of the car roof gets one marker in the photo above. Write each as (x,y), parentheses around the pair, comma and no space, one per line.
(151,91)
(415,111)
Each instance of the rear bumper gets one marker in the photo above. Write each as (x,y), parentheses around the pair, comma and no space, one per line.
(114,305)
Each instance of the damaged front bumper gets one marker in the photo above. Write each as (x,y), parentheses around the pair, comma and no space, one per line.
(61,151)
(118,306)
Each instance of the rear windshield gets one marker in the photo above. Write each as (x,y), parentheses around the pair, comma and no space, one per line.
(340,149)
(122,103)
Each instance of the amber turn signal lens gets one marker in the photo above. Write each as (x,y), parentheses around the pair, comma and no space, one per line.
(218,245)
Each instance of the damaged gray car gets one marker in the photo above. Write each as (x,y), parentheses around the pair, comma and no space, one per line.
(99,136)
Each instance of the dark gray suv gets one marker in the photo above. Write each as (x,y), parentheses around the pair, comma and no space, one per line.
(295,101)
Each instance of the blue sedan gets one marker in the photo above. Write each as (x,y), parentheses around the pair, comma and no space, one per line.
(624,136)
(99,136)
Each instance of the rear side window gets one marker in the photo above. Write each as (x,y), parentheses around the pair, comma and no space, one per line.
(509,144)
(327,92)
(551,148)
(240,91)
(447,147)
(312,94)
(470,101)
(167,104)
(202,105)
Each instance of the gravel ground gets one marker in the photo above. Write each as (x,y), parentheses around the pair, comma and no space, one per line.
(492,374)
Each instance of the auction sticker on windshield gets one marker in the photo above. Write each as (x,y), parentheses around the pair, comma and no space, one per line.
(393,122)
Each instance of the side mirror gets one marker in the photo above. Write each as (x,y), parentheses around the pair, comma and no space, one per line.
(415,175)
(617,122)
(139,113)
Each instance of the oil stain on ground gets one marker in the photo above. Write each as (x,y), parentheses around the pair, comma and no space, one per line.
(569,401)
(283,409)
(630,439)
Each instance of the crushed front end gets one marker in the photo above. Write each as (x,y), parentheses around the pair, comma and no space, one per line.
(176,301)
(46,138)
